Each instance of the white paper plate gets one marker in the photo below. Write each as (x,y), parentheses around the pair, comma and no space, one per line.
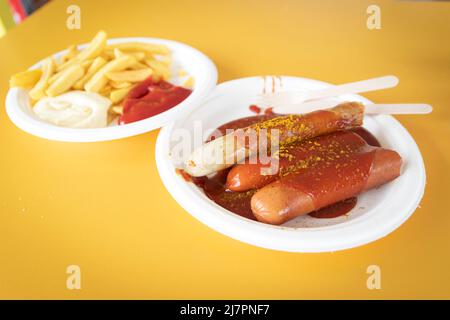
(378,212)
(195,63)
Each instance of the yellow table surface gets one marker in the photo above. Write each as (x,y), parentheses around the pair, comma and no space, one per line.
(103,207)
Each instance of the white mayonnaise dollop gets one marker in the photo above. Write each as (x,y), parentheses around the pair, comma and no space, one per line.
(74,109)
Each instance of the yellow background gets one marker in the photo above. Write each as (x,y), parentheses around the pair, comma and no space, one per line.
(103,207)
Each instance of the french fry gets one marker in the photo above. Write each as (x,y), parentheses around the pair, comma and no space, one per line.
(150,48)
(138,66)
(25,79)
(160,70)
(38,91)
(189,82)
(86,63)
(130,75)
(119,85)
(138,55)
(65,81)
(72,51)
(166,60)
(117,109)
(96,65)
(106,90)
(93,50)
(99,79)
(33,102)
(112,116)
(117,53)
(109,54)
(54,77)
(118,95)
(106,56)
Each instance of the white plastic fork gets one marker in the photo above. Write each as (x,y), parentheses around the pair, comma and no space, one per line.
(275,99)
(372,108)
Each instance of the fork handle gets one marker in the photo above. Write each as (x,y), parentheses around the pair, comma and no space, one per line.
(354,87)
(398,108)
(394,108)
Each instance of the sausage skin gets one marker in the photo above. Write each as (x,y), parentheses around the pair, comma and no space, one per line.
(225,151)
(246,176)
(315,188)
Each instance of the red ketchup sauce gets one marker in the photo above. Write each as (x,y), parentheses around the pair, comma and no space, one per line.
(335,210)
(239,202)
(254,108)
(339,174)
(269,111)
(257,110)
(150,98)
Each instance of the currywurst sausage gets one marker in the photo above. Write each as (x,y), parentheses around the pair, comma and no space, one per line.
(250,175)
(227,150)
(311,189)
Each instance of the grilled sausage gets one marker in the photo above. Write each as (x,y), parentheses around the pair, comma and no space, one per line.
(322,185)
(251,175)
(225,151)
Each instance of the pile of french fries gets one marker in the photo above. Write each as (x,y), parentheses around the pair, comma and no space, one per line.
(107,69)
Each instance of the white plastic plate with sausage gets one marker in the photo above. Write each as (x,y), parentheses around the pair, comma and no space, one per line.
(377,213)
